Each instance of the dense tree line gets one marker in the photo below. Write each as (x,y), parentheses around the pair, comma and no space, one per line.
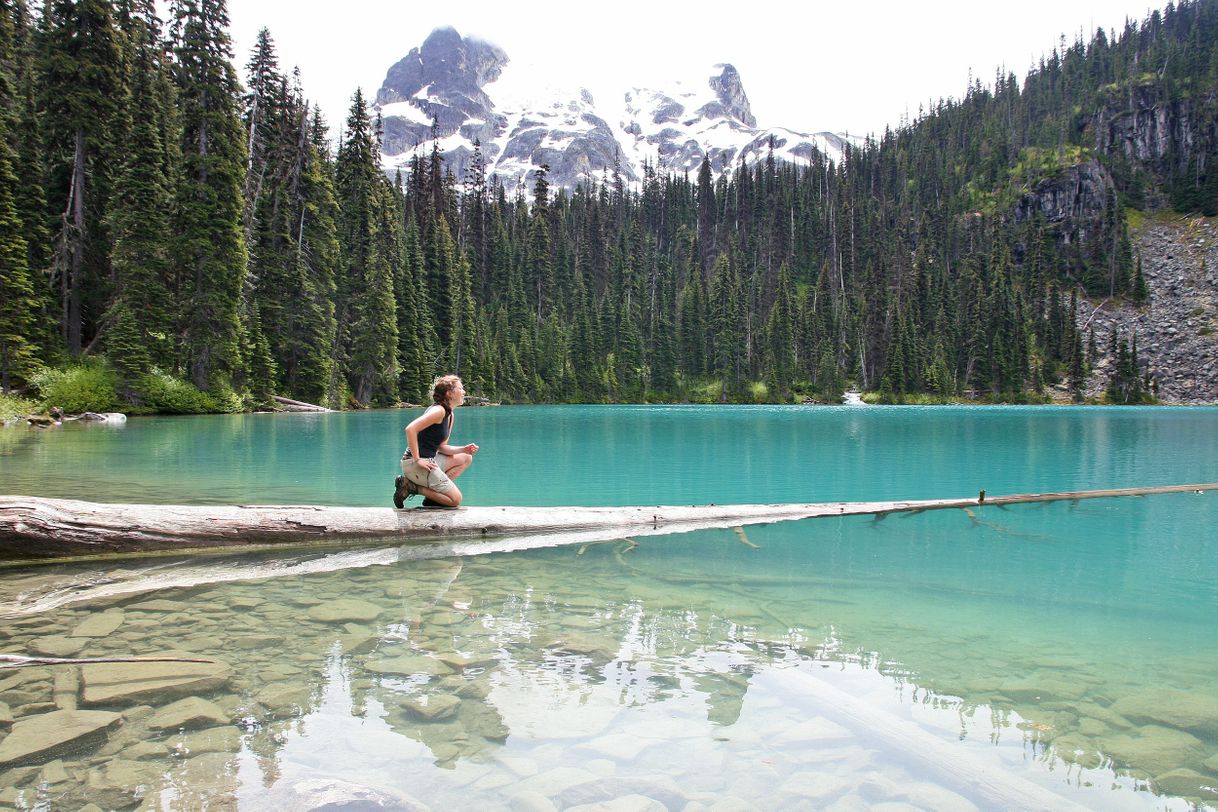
(157,212)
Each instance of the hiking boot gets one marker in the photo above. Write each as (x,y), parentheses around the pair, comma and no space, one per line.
(403,489)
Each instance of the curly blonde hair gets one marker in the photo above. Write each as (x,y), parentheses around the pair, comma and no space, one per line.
(441,386)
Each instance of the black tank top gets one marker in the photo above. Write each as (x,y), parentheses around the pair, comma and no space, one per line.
(432,437)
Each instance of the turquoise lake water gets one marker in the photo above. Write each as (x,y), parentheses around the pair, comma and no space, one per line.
(1037,656)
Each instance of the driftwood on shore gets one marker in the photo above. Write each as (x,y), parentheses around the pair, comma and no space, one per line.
(34,527)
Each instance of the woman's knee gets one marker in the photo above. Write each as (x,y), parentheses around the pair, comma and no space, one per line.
(463,459)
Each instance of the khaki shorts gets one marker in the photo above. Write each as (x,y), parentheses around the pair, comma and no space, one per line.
(436,479)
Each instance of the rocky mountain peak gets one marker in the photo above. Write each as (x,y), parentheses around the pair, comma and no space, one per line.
(730,92)
(466,89)
(446,61)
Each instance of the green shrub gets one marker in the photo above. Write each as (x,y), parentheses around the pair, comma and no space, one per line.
(89,387)
(12,406)
(164,393)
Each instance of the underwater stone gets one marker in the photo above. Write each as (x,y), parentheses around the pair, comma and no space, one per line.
(336,794)
(213,740)
(803,787)
(1187,783)
(51,733)
(359,643)
(160,605)
(1211,764)
(1092,727)
(408,666)
(627,794)
(100,625)
(6,716)
(120,683)
(625,803)
(57,645)
(53,773)
(143,750)
(279,700)
(120,782)
(190,712)
(463,661)
(1045,690)
(344,610)
(1186,711)
(432,707)
(531,801)
(1156,749)
(261,642)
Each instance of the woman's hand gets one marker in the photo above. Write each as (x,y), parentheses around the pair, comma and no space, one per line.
(470,449)
(428,464)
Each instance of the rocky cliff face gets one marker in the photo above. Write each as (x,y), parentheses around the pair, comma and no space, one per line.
(1143,127)
(1177,331)
(1071,203)
(457,85)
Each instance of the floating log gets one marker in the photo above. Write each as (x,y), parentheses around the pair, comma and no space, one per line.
(35,527)
(289,405)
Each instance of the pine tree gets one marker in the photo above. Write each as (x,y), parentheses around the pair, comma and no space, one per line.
(307,346)
(139,222)
(780,337)
(81,82)
(17,303)
(211,248)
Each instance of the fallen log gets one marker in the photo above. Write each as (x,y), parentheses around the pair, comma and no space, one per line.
(35,527)
(21,661)
(289,405)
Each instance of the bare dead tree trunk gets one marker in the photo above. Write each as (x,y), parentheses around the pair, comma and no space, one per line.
(76,263)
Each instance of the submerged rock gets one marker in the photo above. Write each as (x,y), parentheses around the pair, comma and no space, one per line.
(344,610)
(1188,784)
(284,700)
(1179,709)
(37,737)
(408,666)
(336,794)
(432,707)
(57,645)
(189,712)
(124,683)
(1156,749)
(100,625)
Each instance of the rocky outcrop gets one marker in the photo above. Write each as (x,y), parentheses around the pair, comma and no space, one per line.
(1177,331)
(730,99)
(1139,124)
(1071,202)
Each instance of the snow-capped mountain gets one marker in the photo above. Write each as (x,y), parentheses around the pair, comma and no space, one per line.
(461,90)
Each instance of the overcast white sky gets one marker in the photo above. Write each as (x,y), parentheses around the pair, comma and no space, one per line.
(808,65)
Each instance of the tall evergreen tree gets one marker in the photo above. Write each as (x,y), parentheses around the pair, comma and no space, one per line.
(211,250)
(81,82)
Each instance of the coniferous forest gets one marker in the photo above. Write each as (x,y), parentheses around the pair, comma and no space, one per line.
(181,234)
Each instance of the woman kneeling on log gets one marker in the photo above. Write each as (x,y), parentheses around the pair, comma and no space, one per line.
(430,464)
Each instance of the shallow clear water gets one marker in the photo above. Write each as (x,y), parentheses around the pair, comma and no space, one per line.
(1038,655)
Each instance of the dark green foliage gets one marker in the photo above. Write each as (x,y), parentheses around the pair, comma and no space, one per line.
(18,306)
(87,387)
(1127,384)
(210,243)
(164,393)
